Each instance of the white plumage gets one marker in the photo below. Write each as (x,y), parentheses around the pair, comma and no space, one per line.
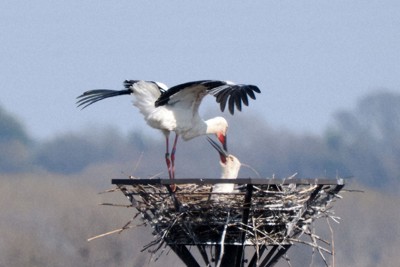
(176,109)
(230,167)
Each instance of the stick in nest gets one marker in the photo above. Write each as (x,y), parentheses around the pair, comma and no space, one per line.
(113,232)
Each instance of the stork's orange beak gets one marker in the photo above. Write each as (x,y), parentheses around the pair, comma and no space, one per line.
(222,152)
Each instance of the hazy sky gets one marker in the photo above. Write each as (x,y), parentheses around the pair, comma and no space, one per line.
(310,58)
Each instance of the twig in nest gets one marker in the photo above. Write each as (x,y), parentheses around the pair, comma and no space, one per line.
(155,175)
(113,232)
(315,245)
(138,162)
(152,243)
(334,218)
(251,168)
(311,244)
(109,190)
(105,234)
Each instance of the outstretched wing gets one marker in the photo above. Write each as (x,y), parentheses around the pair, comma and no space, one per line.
(225,93)
(92,96)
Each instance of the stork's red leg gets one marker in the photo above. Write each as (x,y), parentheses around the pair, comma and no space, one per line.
(173,156)
(168,160)
(167,157)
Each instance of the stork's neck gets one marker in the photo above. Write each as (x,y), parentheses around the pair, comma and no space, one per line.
(230,169)
(229,173)
(199,127)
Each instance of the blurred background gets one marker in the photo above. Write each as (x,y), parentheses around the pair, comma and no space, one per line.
(329,107)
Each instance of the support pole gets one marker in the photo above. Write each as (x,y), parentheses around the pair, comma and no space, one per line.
(234,254)
(185,255)
(245,220)
(282,250)
(254,259)
(203,253)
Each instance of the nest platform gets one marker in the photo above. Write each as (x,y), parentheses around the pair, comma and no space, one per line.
(266,214)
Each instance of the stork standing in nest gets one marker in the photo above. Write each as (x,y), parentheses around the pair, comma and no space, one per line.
(176,109)
(230,167)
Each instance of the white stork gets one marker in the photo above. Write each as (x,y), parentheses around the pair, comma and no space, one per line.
(230,167)
(176,109)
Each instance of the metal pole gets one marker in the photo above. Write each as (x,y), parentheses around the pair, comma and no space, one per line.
(185,255)
(245,220)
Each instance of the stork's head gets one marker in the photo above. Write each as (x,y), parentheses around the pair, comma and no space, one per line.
(230,164)
(219,127)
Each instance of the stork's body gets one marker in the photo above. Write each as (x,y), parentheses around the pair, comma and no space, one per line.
(176,109)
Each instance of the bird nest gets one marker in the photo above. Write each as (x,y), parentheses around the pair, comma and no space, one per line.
(260,211)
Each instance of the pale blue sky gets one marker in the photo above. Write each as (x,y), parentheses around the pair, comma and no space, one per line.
(310,58)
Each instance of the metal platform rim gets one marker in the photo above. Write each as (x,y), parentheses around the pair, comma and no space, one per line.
(254,181)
